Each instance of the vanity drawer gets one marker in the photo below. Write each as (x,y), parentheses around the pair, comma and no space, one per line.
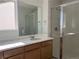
(13,52)
(1,55)
(33,46)
(46,43)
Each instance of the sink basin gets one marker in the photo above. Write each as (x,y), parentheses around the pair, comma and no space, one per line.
(35,39)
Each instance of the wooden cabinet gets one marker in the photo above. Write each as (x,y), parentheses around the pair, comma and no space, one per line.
(32,47)
(42,50)
(1,55)
(46,50)
(17,53)
(13,52)
(34,54)
(21,56)
(32,51)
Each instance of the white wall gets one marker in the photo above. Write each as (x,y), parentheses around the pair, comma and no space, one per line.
(45,16)
(39,20)
(9,29)
(46,13)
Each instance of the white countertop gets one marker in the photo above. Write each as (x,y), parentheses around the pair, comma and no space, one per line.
(11,44)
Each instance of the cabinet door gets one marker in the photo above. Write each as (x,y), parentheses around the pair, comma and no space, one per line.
(33,54)
(46,52)
(21,56)
(1,55)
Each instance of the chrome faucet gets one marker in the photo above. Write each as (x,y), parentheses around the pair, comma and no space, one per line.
(32,37)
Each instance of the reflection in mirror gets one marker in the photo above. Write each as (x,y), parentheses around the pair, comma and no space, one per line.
(28,19)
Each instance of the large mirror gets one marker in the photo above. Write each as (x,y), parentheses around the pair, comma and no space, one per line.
(29,21)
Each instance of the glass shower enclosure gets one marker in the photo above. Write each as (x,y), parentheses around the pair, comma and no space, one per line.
(70,30)
(65,20)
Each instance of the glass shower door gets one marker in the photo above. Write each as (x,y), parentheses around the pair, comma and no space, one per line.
(55,30)
(71,31)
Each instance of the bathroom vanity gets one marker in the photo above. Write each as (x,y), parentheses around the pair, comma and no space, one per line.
(41,49)
(27,21)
